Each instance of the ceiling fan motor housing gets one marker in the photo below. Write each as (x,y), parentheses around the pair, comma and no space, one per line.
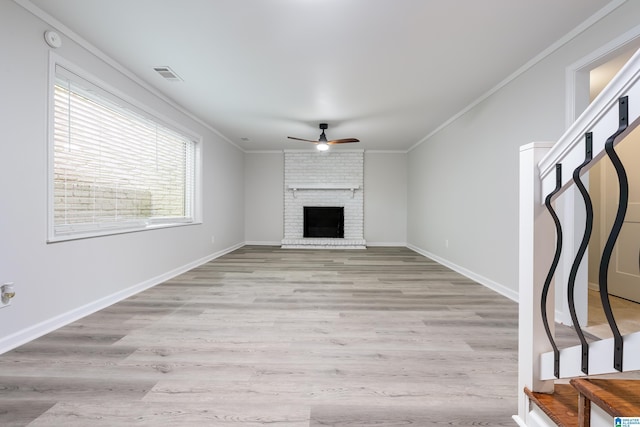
(323,137)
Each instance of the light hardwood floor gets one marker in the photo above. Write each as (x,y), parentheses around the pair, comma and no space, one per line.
(627,314)
(265,336)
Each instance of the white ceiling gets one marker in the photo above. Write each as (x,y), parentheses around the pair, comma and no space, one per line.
(388,72)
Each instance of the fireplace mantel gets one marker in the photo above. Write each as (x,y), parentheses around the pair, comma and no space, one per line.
(298,187)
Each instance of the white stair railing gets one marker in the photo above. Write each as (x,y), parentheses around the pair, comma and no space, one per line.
(540,175)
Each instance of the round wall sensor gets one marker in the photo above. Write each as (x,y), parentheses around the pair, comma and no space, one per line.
(53,39)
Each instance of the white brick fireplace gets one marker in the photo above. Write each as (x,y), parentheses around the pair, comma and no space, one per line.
(333,178)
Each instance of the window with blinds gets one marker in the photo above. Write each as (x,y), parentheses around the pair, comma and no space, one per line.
(114,168)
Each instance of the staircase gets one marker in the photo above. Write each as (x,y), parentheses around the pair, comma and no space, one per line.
(586,402)
(565,386)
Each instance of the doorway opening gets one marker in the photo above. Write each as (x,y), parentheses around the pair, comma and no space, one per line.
(623,271)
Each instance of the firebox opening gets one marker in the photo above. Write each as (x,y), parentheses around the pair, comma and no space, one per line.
(324,221)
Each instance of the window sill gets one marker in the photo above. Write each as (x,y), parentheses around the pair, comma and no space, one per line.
(116,231)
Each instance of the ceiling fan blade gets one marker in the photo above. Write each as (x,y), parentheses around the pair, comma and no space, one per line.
(301,139)
(342,141)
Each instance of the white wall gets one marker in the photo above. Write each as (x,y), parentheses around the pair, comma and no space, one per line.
(264,198)
(385,183)
(463,181)
(58,282)
(385,198)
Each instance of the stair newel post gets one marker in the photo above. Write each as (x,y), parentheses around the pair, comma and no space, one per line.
(536,235)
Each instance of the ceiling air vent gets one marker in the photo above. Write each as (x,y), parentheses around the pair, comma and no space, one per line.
(168,74)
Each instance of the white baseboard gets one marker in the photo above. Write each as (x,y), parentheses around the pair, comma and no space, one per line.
(263,243)
(28,334)
(494,286)
(388,244)
(279,243)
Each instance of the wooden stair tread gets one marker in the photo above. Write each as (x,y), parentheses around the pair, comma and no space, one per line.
(619,398)
(561,406)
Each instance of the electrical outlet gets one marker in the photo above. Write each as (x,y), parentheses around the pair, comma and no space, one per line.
(446,243)
(213,239)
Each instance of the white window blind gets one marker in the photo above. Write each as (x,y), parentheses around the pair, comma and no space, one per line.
(114,168)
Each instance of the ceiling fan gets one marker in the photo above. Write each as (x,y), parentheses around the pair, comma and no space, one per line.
(322,143)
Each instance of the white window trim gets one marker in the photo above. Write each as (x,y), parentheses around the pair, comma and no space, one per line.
(112,229)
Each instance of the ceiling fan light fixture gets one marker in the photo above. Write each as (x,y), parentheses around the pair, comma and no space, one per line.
(323,143)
